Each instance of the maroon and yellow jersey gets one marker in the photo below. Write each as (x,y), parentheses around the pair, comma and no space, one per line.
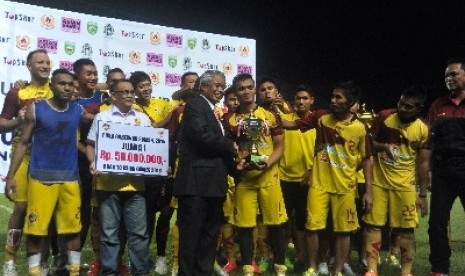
(398,174)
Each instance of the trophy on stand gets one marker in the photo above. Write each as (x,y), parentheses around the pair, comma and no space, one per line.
(252,130)
(366,116)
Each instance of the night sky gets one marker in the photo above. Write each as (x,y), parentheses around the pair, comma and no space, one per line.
(383,45)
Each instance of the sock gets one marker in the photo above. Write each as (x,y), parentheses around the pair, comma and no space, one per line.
(74,257)
(407,251)
(228,241)
(33,260)
(372,246)
(175,246)
(13,241)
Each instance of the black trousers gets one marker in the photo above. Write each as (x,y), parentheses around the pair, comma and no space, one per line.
(199,221)
(448,183)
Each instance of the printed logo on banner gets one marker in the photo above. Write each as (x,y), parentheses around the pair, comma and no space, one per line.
(47,21)
(4,39)
(172,79)
(135,57)
(132,34)
(244,69)
(205,44)
(112,54)
(192,43)
(70,25)
(109,31)
(51,45)
(154,59)
(244,51)
(92,27)
(225,48)
(69,47)
(19,17)
(227,68)
(155,38)
(187,63)
(154,77)
(106,70)
(66,64)
(14,61)
(208,66)
(174,40)
(23,42)
(87,50)
(172,61)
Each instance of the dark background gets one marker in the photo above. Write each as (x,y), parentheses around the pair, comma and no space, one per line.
(383,45)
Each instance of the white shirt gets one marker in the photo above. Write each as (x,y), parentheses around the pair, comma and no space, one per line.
(212,106)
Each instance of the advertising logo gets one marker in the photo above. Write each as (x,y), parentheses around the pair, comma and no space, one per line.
(109,31)
(174,40)
(14,61)
(19,17)
(192,43)
(23,42)
(154,77)
(155,38)
(172,61)
(70,47)
(51,45)
(92,27)
(135,57)
(66,64)
(70,25)
(225,48)
(172,79)
(227,68)
(47,21)
(131,34)
(154,59)
(4,39)
(87,50)
(112,54)
(187,63)
(244,68)
(244,51)
(208,66)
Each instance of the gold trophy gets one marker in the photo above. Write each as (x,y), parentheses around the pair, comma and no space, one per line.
(366,116)
(252,128)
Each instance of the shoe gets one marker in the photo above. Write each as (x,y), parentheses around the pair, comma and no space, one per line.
(371,273)
(9,269)
(348,270)
(280,269)
(438,274)
(45,269)
(338,274)
(247,270)
(160,265)
(258,268)
(230,266)
(94,269)
(219,270)
(310,272)
(323,269)
(123,270)
(392,261)
(174,271)
(34,271)
(74,269)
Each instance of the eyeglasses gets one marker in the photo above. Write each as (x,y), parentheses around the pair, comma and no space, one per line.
(125,92)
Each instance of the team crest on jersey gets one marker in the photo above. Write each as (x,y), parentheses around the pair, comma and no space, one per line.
(47,21)
(172,61)
(23,42)
(106,126)
(109,31)
(92,27)
(191,43)
(244,51)
(154,77)
(227,68)
(135,57)
(155,38)
(205,44)
(187,64)
(87,50)
(70,47)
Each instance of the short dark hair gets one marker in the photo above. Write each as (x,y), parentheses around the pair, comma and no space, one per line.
(417,92)
(138,77)
(454,60)
(351,90)
(32,53)
(189,73)
(240,77)
(78,64)
(114,84)
(61,71)
(305,88)
(115,70)
(268,79)
(228,92)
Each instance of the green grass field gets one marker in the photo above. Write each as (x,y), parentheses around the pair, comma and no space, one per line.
(421,266)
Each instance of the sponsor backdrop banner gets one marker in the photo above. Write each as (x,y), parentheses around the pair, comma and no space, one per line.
(164,53)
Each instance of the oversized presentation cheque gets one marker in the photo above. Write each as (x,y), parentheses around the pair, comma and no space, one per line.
(129,149)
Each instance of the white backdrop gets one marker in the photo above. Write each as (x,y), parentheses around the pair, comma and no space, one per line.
(164,53)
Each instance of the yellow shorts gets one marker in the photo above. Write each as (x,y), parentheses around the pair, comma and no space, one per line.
(22,178)
(399,204)
(343,210)
(228,205)
(62,200)
(248,200)
(174,202)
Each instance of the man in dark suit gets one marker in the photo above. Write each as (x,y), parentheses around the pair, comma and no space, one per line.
(205,154)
